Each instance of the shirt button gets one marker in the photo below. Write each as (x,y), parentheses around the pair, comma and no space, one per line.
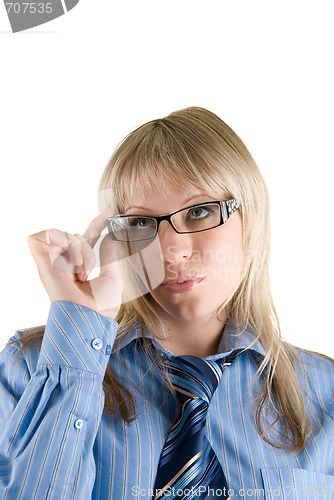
(78,423)
(97,344)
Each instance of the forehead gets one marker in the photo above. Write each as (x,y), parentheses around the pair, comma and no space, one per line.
(169,199)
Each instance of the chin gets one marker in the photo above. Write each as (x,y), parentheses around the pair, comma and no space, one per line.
(189,312)
(186,310)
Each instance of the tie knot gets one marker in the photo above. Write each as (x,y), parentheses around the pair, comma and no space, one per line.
(194,377)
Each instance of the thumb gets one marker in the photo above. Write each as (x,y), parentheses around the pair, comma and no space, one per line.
(107,288)
(109,258)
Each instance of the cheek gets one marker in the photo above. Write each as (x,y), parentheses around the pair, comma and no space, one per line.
(225,258)
(229,263)
(145,259)
(218,256)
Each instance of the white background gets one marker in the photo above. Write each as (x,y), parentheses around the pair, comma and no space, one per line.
(72,88)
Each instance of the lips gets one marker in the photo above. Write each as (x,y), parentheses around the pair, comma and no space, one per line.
(187,285)
(181,280)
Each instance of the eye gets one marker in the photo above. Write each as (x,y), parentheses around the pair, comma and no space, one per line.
(200,212)
(136,222)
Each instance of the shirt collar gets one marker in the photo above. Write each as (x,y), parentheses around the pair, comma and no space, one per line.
(231,339)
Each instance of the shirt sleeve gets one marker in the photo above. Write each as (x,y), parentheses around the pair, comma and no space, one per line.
(49,423)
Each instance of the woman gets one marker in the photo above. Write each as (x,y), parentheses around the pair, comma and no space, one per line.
(166,376)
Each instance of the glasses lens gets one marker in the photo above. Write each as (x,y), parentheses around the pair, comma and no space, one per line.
(197,218)
(133,228)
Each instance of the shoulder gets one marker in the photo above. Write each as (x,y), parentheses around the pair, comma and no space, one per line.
(314,361)
(316,374)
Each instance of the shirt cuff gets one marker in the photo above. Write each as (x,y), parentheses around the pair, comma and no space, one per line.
(78,337)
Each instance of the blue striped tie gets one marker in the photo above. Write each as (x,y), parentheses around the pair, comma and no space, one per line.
(188,466)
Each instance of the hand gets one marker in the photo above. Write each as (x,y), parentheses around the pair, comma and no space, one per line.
(65,260)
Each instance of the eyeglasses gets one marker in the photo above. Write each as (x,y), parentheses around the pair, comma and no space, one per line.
(193,219)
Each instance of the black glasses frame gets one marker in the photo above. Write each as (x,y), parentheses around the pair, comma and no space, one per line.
(227,208)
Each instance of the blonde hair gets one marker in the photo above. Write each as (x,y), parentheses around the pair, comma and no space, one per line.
(194,147)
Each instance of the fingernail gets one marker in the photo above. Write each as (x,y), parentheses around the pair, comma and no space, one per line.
(84,277)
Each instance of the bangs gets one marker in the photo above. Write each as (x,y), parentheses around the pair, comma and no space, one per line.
(157,158)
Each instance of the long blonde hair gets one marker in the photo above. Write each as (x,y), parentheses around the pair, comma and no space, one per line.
(194,147)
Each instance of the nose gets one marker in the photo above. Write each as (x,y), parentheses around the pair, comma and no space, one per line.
(174,246)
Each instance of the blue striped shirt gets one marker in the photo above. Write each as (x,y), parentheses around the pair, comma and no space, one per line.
(56,442)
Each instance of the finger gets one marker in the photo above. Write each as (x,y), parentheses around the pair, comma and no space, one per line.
(50,242)
(89,259)
(59,238)
(57,242)
(96,226)
(65,259)
(39,247)
(107,288)
(109,259)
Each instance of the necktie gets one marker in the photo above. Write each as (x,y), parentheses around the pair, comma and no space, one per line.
(188,466)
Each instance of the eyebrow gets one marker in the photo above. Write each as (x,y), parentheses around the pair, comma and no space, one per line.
(189,199)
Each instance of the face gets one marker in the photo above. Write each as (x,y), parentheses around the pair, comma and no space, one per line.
(213,257)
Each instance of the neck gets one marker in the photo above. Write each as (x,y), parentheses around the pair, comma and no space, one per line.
(199,338)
